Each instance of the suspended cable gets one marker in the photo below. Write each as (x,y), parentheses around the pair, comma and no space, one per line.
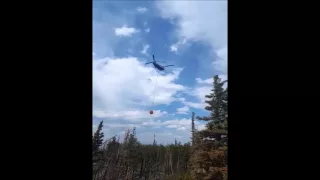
(154,95)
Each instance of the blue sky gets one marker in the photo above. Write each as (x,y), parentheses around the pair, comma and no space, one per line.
(192,35)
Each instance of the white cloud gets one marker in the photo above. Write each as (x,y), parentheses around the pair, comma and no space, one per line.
(122,125)
(122,93)
(121,86)
(202,89)
(223,77)
(196,105)
(145,49)
(133,115)
(173,48)
(209,81)
(206,81)
(181,127)
(221,63)
(175,124)
(183,110)
(199,91)
(166,130)
(201,21)
(141,9)
(125,31)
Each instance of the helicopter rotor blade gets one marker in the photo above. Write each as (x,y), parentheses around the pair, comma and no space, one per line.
(161,61)
(168,65)
(148,62)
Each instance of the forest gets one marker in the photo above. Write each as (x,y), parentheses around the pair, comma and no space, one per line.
(203,158)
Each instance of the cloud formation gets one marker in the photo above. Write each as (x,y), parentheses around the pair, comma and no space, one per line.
(183,110)
(175,47)
(145,49)
(142,9)
(204,21)
(206,81)
(125,31)
(132,115)
(124,84)
(124,89)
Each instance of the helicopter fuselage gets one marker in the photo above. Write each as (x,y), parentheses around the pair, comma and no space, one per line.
(158,66)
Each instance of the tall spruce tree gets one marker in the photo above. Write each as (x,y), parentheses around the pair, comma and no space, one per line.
(97,139)
(97,159)
(209,156)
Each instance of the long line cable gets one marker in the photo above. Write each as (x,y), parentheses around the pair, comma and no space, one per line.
(155,88)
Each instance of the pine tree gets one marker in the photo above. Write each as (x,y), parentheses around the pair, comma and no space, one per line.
(131,148)
(209,155)
(111,159)
(97,158)
(97,140)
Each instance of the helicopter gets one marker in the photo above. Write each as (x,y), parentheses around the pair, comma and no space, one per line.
(156,65)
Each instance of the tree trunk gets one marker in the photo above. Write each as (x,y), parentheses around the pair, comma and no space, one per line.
(141,169)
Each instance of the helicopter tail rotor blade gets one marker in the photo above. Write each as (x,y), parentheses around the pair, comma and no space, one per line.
(153,56)
(148,62)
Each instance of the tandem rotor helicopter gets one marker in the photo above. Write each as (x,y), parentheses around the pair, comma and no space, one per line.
(160,68)
(156,65)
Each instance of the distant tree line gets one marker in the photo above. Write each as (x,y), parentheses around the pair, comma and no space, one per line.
(204,158)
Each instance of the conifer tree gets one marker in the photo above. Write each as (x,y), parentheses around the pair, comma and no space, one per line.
(209,155)
(97,140)
(97,137)
(97,159)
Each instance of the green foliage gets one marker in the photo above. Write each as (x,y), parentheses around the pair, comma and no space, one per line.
(97,154)
(97,138)
(132,160)
(209,160)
